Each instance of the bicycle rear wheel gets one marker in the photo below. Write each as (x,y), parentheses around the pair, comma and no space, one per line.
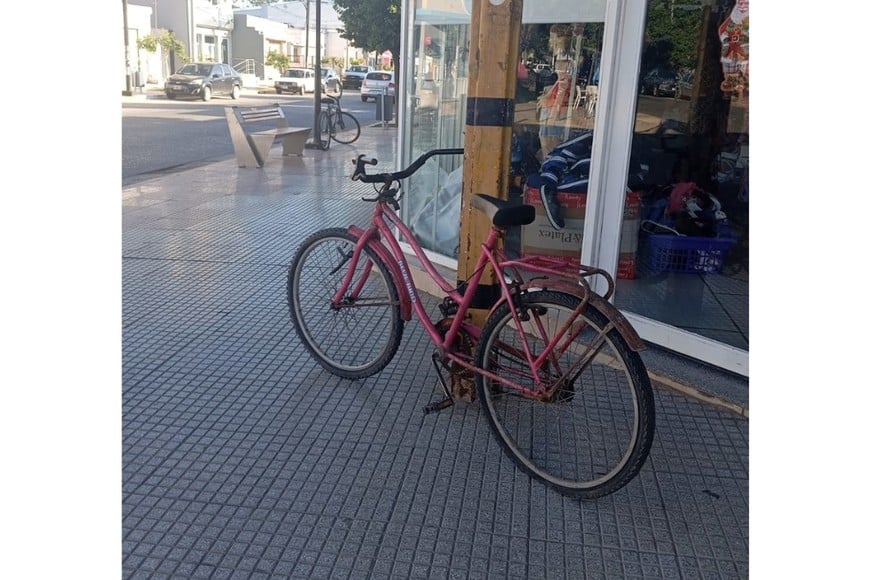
(361,336)
(345,128)
(322,130)
(593,433)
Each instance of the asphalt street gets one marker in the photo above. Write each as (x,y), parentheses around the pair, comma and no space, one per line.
(160,135)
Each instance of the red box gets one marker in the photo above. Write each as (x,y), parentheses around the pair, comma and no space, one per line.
(540,238)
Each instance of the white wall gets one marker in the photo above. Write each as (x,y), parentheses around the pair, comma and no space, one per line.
(146,63)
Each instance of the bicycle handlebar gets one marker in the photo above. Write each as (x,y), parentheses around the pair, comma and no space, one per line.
(359,173)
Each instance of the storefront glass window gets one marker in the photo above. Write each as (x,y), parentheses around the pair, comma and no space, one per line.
(555,103)
(691,142)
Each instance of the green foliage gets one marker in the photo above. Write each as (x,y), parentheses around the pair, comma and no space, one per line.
(334,62)
(535,41)
(371,25)
(148,43)
(166,41)
(278,60)
(673,31)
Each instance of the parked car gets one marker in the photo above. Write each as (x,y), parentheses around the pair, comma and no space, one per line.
(660,82)
(203,80)
(295,80)
(685,85)
(355,75)
(330,81)
(544,77)
(375,83)
(301,80)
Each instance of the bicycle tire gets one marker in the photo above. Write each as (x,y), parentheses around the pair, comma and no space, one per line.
(345,128)
(322,130)
(593,436)
(352,342)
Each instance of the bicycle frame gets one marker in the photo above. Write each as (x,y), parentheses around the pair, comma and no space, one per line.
(380,230)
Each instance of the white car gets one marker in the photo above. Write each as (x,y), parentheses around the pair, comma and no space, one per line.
(296,80)
(301,80)
(375,83)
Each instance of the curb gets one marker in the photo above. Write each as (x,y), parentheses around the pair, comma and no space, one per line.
(665,382)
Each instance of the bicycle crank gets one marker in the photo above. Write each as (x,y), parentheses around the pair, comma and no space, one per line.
(461,380)
(448,400)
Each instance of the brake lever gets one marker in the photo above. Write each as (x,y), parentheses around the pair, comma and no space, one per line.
(394,203)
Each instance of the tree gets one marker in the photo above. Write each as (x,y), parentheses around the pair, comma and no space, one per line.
(278,60)
(167,42)
(371,25)
(672,32)
(335,62)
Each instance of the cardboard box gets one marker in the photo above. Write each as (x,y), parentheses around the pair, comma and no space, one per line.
(540,238)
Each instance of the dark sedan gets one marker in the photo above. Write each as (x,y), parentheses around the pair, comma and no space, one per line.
(660,82)
(204,80)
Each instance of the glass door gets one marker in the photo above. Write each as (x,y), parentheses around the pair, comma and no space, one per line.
(689,166)
(558,73)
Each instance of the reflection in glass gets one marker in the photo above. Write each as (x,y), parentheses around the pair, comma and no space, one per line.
(555,102)
(692,138)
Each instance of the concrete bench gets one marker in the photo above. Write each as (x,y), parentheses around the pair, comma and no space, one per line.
(252,146)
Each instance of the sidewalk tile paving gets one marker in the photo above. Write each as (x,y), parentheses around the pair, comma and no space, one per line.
(243,459)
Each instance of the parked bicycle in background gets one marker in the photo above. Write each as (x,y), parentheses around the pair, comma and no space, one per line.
(334,124)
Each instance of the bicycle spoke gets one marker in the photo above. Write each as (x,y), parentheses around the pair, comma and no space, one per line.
(357,336)
(592,409)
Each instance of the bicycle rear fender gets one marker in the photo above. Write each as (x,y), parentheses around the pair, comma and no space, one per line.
(395,272)
(620,322)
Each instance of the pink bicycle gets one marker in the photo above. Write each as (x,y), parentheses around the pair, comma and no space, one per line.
(555,366)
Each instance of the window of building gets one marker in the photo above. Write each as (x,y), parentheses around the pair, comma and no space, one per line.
(691,141)
(209,48)
(557,77)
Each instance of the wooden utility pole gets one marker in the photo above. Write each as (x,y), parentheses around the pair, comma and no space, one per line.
(492,80)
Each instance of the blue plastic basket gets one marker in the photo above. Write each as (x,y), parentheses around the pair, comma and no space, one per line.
(687,254)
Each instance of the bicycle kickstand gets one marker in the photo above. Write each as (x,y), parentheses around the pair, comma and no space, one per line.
(444,403)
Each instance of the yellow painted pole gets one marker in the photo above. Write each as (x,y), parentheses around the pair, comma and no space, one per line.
(492,79)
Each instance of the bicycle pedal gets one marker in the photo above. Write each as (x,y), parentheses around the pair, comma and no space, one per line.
(437,406)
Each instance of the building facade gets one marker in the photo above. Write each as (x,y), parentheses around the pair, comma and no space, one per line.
(213,30)
(204,27)
(142,66)
(651,99)
(253,37)
(300,17)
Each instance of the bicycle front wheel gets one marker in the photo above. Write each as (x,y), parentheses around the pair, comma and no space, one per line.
(322,130)
(591,434)
(345,128)
(357,337)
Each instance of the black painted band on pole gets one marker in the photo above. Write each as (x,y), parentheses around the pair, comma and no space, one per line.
(489,112)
